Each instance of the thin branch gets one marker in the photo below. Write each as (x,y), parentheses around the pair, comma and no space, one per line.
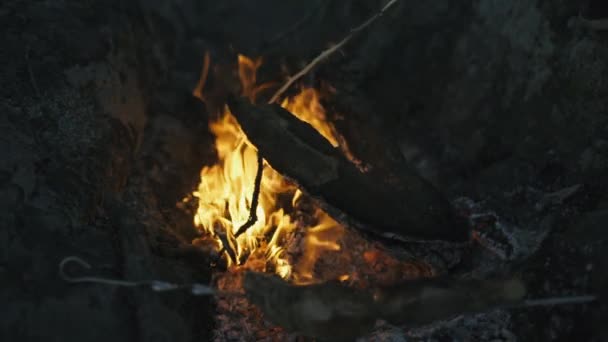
(253,217)
(155,285)
(327,53)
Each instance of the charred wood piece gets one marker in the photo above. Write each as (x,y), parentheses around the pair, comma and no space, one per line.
(405,207)
(333,311)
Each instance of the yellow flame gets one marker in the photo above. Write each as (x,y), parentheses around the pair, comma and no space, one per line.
(224,193)
(319,239)
(307,107)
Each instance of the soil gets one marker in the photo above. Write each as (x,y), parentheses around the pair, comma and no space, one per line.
(502,103)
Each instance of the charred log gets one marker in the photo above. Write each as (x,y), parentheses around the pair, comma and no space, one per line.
(406,206)
(334,311)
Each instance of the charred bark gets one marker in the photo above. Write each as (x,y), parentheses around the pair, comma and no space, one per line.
(405,206)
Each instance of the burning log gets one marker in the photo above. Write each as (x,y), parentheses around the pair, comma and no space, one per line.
(403,207)
(334,311)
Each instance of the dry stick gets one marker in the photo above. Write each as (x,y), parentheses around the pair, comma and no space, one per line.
(253,217)
(323,56)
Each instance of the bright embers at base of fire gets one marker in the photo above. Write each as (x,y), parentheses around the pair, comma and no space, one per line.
(277,238)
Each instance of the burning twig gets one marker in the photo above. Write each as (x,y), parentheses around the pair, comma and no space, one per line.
(253,217)
(327,53)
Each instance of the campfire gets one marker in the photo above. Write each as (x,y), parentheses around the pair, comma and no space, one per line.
(289,213)
(225,194)
(290,233)
(233,170)
(307,239)
(292,237)
(263,222)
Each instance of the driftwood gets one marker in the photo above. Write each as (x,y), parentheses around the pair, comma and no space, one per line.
(333,311)
(404,207)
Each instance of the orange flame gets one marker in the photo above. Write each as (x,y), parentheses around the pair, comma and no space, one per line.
(224,193)
(307,107)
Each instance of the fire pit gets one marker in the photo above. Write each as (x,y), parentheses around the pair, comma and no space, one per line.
(389,170)
(296,265)
(292,236)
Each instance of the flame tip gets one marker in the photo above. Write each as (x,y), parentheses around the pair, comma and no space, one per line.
(224,193)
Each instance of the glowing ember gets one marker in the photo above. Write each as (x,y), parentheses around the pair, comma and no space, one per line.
(225,191)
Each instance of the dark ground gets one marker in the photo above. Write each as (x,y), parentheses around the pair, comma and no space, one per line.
(503,102)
